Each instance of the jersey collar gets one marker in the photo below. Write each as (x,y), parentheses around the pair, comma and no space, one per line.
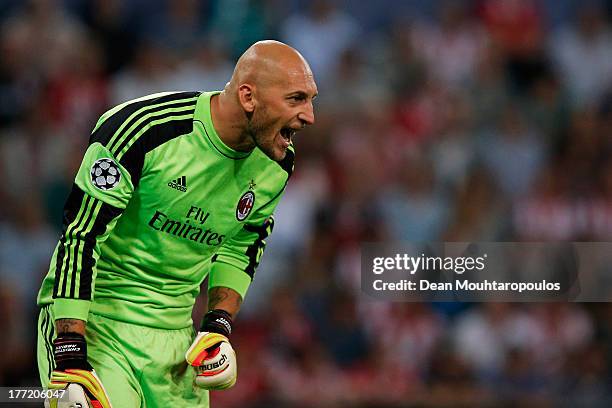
(203,115)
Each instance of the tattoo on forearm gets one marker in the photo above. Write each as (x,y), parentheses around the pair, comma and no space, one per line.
(218,295)
(69,325)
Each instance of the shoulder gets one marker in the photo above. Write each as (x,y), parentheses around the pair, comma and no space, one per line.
(278,171)
(271,176)
(130,117)
(128,131)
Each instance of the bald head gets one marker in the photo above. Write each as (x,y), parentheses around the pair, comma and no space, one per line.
(267,63)
(268,99)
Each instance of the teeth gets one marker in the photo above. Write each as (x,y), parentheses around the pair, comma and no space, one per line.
(287,133)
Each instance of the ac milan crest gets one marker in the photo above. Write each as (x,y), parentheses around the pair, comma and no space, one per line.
(245,205)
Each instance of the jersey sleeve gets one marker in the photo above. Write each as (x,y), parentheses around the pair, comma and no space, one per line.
(101,190)
(110,171)
(233,266)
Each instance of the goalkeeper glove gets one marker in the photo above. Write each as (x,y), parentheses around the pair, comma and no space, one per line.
(75,375)
(212,354)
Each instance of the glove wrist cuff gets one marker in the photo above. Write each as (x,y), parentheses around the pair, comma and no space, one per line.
(70,351)
(217,321)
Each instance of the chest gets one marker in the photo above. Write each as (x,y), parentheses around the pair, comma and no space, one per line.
(198,195)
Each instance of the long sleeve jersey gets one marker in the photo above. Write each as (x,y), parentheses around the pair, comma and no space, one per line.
(158,204)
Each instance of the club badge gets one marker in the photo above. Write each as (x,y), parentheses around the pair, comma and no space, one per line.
(245,205)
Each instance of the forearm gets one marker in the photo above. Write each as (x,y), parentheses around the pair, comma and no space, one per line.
(223,298)
(70,326)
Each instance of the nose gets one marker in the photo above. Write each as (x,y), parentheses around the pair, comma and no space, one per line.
(307,115)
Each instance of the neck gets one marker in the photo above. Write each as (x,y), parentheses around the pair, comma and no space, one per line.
(229,122)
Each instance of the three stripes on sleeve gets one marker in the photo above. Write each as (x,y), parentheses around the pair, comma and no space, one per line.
(127,132)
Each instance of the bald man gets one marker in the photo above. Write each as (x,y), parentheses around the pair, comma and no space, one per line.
(173,188)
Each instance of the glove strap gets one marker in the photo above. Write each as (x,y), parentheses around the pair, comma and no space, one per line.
(70,351)
(217,321)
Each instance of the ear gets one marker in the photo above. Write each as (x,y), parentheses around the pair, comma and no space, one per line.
(246,97)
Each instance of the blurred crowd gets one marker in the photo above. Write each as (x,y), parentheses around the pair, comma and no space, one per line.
(482,120)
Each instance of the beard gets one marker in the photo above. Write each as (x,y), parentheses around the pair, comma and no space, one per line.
(261,130)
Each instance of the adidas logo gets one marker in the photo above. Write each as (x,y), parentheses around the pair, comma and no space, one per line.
(180,184)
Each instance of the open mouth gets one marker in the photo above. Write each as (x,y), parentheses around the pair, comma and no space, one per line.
(287,133)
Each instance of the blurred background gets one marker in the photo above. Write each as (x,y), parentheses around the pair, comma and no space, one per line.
(484,120)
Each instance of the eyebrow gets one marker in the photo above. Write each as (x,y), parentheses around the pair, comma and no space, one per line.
(301,94)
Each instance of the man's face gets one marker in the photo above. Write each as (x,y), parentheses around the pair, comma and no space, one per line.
(283,108)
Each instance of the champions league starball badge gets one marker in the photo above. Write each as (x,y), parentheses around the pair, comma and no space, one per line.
(105,174)
(245,205)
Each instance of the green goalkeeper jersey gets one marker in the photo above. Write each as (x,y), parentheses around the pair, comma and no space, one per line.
(158,204)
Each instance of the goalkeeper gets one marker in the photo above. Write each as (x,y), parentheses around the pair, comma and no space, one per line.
(173,187)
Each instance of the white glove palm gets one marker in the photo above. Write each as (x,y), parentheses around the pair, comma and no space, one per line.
(214,359)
